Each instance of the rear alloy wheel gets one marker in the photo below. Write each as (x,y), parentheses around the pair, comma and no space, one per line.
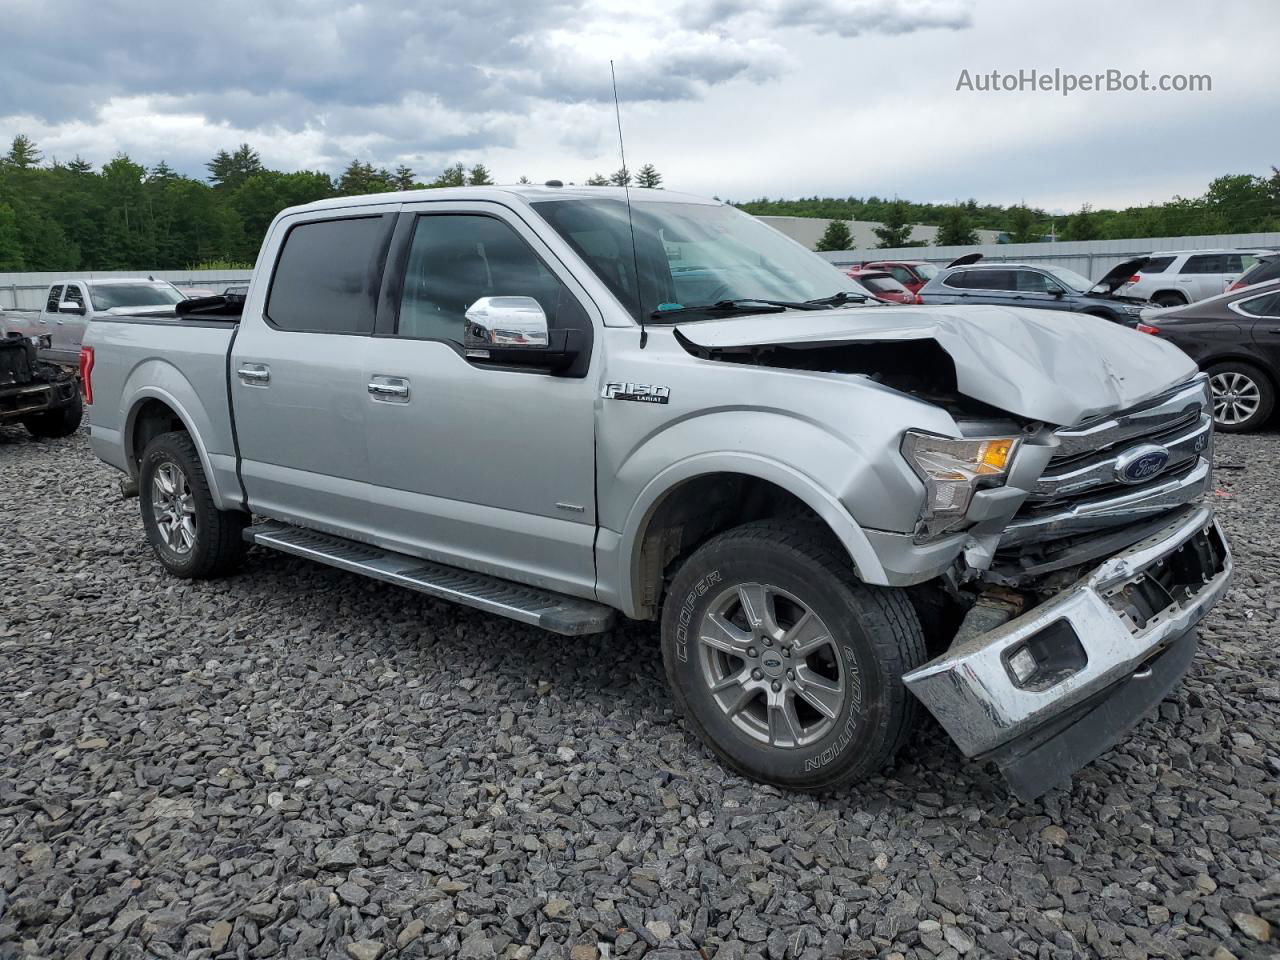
(785,665)
(188,533)
(1243,397)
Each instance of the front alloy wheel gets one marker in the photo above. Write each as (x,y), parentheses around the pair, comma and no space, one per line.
(772,665)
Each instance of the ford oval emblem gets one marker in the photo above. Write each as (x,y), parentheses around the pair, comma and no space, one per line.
(1140,465)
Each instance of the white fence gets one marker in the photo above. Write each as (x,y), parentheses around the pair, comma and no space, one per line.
(26,291)
(1093,258)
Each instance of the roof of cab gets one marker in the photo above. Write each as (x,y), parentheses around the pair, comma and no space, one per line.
(523,193)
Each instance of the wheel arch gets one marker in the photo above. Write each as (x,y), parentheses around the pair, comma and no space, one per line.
(1172,291)
(154,411)
(702,496)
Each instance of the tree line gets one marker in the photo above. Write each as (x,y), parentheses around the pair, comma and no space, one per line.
(126,216)
(1235,203)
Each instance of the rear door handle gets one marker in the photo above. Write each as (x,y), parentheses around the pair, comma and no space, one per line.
(389,389)
(255,374)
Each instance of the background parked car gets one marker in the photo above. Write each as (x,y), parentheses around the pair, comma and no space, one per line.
(1235,338)
(882,285)
(1267,268)
(1035,285)
(1171,278)
(72,303)
(912,274)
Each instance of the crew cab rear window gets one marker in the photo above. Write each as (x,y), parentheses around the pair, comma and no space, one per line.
(327,276)
(55,298)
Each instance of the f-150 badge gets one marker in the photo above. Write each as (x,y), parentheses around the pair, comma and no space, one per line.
(639,392)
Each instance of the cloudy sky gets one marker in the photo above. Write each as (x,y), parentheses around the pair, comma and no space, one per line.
(727,97)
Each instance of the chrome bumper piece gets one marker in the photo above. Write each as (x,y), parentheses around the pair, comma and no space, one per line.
(1093,635)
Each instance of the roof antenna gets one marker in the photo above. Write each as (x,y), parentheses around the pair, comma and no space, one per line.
(626,187)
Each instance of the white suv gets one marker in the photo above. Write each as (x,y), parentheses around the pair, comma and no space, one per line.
(1172,278)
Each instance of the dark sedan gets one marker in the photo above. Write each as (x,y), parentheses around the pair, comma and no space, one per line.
(1235,338)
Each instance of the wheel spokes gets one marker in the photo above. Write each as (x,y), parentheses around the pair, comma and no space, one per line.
(719,633)
(757,607)
(824,695)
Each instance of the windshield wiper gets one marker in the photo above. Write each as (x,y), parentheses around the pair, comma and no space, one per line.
(838,299)
(753,305)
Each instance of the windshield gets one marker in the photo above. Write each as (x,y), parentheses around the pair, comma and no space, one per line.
(690,255)
(109,295)
(927,270)
(1071,278)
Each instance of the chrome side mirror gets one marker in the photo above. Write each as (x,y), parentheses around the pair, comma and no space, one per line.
(70,306)
(507,323)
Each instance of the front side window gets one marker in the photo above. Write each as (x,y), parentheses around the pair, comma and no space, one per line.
(1033,281)
(73,294)
(688,255)
(327,275)
(902,275)
(927,270)
(1070,279)
(55,298)
(454,260)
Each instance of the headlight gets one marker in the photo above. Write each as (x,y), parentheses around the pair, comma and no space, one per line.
(952,470)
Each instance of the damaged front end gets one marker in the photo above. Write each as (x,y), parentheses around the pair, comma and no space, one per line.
(1080,616)
(28,386)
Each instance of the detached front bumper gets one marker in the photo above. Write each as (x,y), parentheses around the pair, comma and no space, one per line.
(1047,692)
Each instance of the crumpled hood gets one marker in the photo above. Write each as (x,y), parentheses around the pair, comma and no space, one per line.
(1044,365)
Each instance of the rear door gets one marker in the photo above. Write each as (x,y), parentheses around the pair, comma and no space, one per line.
(48,317)
(1201,275)
(484,467)
(1264,311)
(993,285)
(297,368)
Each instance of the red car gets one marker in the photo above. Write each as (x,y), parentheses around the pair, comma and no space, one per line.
(912,274)
(882,285)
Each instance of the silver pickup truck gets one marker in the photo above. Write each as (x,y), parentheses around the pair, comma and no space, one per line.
(560,404)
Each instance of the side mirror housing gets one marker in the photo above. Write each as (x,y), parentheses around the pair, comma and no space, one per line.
(70,306)
(513,331)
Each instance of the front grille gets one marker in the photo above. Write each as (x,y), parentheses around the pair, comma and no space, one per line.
(1084,488)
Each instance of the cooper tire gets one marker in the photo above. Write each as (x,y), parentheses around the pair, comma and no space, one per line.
(876,638)
(1253,396)
(191,537)
(62,422)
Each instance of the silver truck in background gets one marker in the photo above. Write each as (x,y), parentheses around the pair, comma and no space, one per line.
(560,404)
(70,304)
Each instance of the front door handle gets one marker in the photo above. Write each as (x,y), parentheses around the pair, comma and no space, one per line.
(389,389)
(255,374)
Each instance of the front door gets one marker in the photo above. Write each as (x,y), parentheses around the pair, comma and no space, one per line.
(67,331)
(297,369)
(487,468)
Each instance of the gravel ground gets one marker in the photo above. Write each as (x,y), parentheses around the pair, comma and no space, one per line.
(296,762)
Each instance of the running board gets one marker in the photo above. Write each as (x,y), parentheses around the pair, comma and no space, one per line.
(541,608)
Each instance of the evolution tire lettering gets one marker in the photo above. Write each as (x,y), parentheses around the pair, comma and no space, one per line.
(850,727)
(638,392)
(686,613)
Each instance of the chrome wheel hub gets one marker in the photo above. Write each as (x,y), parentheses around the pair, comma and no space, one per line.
(173,508)
(771,665)
(1236,397)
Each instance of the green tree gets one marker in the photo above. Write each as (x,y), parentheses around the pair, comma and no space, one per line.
(1021,225)
(229,170)
(451,176)
(360,177)
(10,240)
(404,178)
(79,165)
(836,237)
(955,229)
(648,177)
(597,180)
(523,179)
(620,177)
(894,230)
(1081,225)
(479,176)
(23,153)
